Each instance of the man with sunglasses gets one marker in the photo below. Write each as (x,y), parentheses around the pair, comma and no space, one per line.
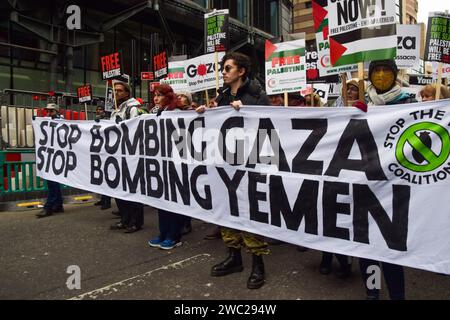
(239,90)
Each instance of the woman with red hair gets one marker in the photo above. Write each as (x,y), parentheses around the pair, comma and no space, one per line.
(165,99)
(170,224)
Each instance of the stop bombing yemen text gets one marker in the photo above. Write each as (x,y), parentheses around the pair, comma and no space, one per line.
(155,140)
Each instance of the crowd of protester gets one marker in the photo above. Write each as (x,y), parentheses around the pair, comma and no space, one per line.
(381,88)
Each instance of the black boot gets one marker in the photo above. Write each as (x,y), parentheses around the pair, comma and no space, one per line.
(232,264)
(256,279)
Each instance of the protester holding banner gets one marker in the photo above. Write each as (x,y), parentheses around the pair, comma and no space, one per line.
(352,94)
(54,203)
(239,91)
(428,93)
(184,100)
(131,213)
(170,224)
(383,89)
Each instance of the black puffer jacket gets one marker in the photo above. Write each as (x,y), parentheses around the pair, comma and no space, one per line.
(250,93)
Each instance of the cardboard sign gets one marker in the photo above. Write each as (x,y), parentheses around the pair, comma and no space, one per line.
(312,70)
(285,66)
(421,80)
(147,75)
(217,31)
(200,72)
(437,47)
(111,65)
(177,78)
(363,30)
(408,46)
(84,93)
(109,97)
(320,17)
(160,65)
(445,70)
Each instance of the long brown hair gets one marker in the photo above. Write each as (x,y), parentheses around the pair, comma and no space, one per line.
(170,98)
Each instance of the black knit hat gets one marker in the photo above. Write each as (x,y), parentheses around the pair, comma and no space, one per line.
(390,63)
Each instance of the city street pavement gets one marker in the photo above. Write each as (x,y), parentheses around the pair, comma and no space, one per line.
(35,255)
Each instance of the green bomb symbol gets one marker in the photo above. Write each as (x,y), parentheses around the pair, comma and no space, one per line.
(418,137)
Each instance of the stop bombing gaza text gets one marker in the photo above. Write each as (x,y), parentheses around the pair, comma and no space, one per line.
(174,178)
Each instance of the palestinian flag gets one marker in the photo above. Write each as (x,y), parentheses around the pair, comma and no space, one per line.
(320,17)
(369,37)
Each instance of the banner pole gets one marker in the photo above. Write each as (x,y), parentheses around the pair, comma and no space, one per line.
(216,58)
(439,81)
(86,111)
(286,99)
(207,98)
(362,90)
(312,95)
(344,88)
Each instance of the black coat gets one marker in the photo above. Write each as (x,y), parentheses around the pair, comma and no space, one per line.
(250,93)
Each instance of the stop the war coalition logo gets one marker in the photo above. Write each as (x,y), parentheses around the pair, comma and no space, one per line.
(421,143)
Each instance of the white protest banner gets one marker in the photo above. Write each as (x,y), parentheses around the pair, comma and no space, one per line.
(331,179)
(408,46)
(361,31)
(177,76)
(320,16)
(201,74)
(285,66)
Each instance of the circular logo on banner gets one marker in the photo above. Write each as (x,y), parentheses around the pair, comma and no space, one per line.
(423,147)
(272,83)
(325,61)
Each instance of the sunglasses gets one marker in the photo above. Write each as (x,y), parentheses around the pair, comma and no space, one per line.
(228,68)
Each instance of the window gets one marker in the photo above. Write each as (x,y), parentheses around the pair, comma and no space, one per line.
(202,3)
(265,15)
(237,8)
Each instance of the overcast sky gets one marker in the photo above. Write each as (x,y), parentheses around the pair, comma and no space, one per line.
(426,6)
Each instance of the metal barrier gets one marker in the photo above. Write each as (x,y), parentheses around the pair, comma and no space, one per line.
(18,107)
(18,172)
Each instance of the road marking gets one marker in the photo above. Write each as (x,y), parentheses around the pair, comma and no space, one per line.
(114,287)
(29,204)
(82,198)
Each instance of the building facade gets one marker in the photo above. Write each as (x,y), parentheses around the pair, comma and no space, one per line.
(38,53)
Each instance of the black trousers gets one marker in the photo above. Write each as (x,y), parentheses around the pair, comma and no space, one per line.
(131,213)
(393,274)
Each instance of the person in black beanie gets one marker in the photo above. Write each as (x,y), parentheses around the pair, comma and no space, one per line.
(384,90)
